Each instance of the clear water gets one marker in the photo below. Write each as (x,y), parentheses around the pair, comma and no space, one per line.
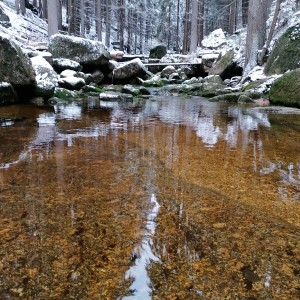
(165,198)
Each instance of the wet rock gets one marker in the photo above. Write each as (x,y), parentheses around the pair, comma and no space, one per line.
(84,51)
(63,93)
(154,81)
(115,96)
(135,90)
(7,93)
(61,64)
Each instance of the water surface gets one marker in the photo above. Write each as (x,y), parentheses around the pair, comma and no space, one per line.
(165,198)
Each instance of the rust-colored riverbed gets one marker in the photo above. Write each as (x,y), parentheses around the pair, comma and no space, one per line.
(165,198)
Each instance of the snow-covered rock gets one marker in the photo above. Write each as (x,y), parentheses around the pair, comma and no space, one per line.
(43,70)
(214,40)
(61,64)
(15,66)
(129,70)
(68,73)
(84,51)
(46,77)
(72,83)
(115,96)
(167,71)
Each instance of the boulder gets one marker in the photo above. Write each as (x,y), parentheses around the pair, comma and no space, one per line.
(7,93)
(4,19)
(286,89)
(68,73)
(175,76)
(72,83)
(154,81)
(167,71)
(88,78)
(285,54)
(86,52)
(47,56)
(222,65)
(46,77)
(213,79)
(128,70)
(158,51)
(97,77)
(135,90)
(115,96)
(215,39)
(61,64)
(43,70)
(15,67)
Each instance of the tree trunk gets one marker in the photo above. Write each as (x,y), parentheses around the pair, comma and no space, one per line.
(177,27)
(17,5)
(52,18)
(98,20)
(59,15)
(194,27)
(256,32)
(22,7)
(239,14)
(271,33)
(201,22)
(186,27)
(108,23)
(121,23)
(82,18)
(45,10)
(232,17)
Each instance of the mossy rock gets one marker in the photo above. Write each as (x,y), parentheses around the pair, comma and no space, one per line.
(65,94)
(285,55)
(286,89)
(225,67)
(237,97)
(158,51)
(253,85)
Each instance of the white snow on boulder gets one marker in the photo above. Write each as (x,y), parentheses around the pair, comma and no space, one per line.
(68,73)
(65,63)
(43,70)
(214,39)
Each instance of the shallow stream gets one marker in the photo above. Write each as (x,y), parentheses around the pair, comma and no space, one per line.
(165,198)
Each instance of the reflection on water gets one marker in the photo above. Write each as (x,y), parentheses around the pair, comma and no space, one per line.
(77,221)
(142,257)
